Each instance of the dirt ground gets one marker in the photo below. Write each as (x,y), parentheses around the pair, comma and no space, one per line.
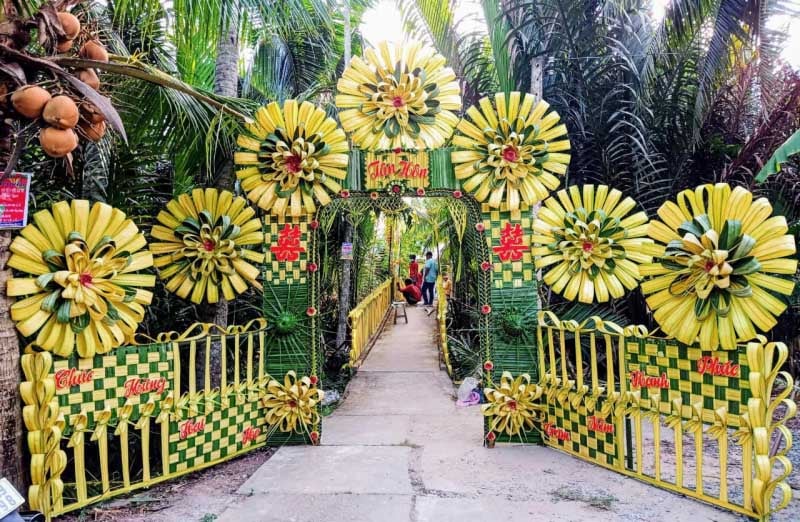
(199,497)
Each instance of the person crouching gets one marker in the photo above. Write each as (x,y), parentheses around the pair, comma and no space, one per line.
(411,292)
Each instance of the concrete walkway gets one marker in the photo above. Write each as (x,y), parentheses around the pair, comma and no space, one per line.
(399,450)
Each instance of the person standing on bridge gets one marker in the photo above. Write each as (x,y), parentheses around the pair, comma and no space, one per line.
(429,273)
(413,271)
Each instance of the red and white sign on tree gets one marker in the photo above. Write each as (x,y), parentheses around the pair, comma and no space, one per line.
(511,245)
(288,247)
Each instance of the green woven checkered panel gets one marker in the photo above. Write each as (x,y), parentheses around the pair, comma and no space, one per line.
(589,443)
(281,241)
(681,364)
(512,272)
(105,377)
(222,434)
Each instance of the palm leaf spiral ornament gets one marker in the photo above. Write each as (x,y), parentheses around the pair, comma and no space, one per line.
(514,405)
(398,96)
(712,278)
(84,288)
(293,157)
(511,151)
(591,242)
(204,249)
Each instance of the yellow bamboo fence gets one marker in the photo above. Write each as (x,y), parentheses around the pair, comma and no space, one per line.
(441,322)
(366,320)
(108,425)
(706,424)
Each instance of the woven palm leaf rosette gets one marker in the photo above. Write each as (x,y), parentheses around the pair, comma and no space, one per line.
(514,405)
(84,288)
(293,158)
(398,96)
(591,243)
(713,279)
(203,249)
(292,405)
(512,150)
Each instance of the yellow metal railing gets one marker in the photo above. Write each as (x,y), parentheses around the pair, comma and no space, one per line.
(366,320)
(145,391)
(441,320)
(719,407)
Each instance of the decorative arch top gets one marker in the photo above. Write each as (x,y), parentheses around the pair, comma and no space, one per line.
(399,96)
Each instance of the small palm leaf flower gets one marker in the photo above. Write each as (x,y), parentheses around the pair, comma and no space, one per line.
(513,406)
(398,96)
(712,280)
(203,249)
(590,243)
(512,150)
(292,406)
(85,287)
(293,157)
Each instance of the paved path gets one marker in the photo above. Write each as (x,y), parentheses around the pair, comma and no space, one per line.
(399,450)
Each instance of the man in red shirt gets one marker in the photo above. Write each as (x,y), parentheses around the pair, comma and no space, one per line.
(411,292)
(414,272)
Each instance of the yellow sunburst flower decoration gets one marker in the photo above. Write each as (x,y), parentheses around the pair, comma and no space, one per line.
(398,96)
(86,286)
(293,156)
(512,150)
(591,243)
(513,405)
(292,406)
(713,280)
(203,250)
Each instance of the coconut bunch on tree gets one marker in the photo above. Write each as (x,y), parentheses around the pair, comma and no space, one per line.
(37,95)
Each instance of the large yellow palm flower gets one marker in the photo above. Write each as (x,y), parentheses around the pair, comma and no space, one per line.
(204,245)
(591,243)
(398,96)
(292,406)
(514,405)
(713,280)
(512,151)
(84,287)
(292,156)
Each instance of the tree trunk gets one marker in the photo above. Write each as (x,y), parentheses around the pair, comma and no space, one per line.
(10,377)
(226,83)
(345,292)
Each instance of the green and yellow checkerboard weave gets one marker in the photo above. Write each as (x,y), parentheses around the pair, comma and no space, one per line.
(107,390)
(285,272)
(590,444)
(509,274)
(222,436)
(655,357)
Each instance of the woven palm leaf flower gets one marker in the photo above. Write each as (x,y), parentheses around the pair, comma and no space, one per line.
(713,280)
(292,157)
(203,249)
(512,150)
(512,406)
(591,243)
(292,406)
(398,96)
(84,283)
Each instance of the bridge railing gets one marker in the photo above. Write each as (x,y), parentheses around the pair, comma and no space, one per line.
(441,323)
(707,424)
(366,320)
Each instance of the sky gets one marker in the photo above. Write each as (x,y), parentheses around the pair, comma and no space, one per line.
(384,22)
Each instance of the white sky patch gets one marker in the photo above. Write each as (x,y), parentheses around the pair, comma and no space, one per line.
(384,22)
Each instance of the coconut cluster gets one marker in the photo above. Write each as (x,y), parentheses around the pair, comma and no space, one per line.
(64,117)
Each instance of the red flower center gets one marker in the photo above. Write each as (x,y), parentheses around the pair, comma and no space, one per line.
(587,246)
(293,164)
(709,265)
(398,102)
(86,279)
(510,154)
(292,404)
(512,405)
(208,245)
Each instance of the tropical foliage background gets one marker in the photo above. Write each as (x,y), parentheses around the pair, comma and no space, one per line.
(653,105)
